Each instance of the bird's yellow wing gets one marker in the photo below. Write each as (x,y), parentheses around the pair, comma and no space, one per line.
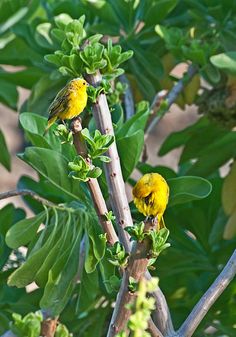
(60,102)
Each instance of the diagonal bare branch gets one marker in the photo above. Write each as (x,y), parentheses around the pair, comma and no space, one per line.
(169,98)
(96,193)
(113,172)
(208,299)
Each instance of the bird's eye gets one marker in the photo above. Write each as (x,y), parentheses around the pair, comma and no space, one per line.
(83,83)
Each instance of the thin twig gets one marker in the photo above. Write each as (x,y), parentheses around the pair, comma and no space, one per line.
(155,332)
(33,195)
(113,172)
(208,299)
(170,98)
(8,334)
(82,257)
(96,193)
(136,269)
(128,98)
(161,316)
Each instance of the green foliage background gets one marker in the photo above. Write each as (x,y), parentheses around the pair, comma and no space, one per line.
(161,34)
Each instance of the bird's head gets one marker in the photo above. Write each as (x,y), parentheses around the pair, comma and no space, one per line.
(79,84)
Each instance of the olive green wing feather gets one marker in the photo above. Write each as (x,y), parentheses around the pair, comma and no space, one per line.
(60,102)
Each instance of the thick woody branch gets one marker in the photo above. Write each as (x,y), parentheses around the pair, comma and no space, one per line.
(137,265)
(95,191)
(209,298)
(169,99)
(119,200)
(113,172)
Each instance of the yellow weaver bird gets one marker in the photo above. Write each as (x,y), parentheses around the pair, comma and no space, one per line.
(69,102)
(151,194)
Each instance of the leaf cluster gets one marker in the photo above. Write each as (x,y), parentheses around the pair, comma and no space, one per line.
(78,56)
(141,308)
(30,326)
(97,144)
(118,255)
(82,170)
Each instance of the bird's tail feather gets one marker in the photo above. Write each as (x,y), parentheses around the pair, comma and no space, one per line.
(50,122)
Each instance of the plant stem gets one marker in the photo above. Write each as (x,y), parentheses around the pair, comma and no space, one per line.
(8,334)
(33,195)
(113,172)
(161,316)
(208,299)
(128,98)
(154,331)
(169,99)
(119,200)
(136,269)
(95,191)
(48,326)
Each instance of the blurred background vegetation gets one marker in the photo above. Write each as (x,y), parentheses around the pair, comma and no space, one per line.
(164,35)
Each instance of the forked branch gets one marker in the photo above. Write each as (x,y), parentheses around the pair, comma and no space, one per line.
(136,268)
(118,196)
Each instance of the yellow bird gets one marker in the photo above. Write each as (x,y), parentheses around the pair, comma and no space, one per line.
(151,194)
(69,102)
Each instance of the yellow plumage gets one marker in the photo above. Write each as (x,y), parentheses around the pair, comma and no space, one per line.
(69,102)
(151,194)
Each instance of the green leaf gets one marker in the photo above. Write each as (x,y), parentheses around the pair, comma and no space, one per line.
(225,61)
(62,331)
(43,188)
(208,161)
(24,231)
(60,251)
(29,326)
(8,94)
(188,188)
(162,170)
(179,138)
(136,122)
(130,149)
(42,35)
(54,167)
(62,20)
(158,11)
(17,52)
(5,158)
(43,93)
(26,273)
(7,218)
(95,172)
(97,245)
(59,287)
(212,73)
(24,78)
(34,126)
(199,141)
(12,20)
